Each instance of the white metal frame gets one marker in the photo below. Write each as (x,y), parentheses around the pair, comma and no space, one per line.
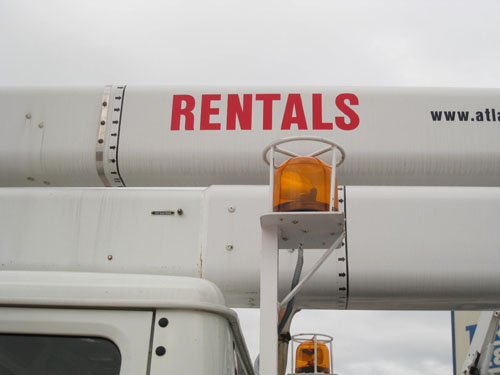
(316,337)
(310,230)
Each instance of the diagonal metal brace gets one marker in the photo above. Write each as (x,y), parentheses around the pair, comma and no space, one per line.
(311,272)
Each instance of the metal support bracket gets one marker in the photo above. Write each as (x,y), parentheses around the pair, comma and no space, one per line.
(311,230)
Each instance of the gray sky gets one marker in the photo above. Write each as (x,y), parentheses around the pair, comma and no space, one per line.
(375,43)
(373,342)
(289,42)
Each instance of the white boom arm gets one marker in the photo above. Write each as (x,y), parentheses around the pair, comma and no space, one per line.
(405,248)
(182,136)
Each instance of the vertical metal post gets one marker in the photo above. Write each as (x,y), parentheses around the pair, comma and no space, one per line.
(271,177)
(269,291)
(331,358)
(269,302)
(315,354)
(334,178)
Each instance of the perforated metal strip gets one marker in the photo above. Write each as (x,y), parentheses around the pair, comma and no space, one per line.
(101,136)
(108,137)
(340,255)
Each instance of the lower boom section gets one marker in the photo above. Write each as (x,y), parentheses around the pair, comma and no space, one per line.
(423,248)
(407,248)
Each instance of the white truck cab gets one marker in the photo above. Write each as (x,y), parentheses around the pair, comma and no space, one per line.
(97,323)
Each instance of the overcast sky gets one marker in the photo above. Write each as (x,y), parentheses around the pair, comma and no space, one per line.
(375,43)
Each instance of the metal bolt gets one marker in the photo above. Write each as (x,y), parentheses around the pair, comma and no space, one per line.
(160,350)
(229,247)
(100,140)
(46,182)
(163,322)
(231,209)
(28,116)
(103,122)
(104,104)
(284,238)
(295,221)
(110,257)
(30,178)
(41,125)
(179,211)
(305,231)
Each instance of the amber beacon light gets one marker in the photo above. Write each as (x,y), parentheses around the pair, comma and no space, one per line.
(304,182)
(313,354)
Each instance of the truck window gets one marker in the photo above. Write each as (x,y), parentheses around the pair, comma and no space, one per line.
(58,355)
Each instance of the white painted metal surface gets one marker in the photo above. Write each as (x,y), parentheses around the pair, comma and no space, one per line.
(269,268)
(129,330)
(93,289)
(396,137)
(103,230)
(414,248)
(305,228)
(195,343)
(49,136)
(407,247)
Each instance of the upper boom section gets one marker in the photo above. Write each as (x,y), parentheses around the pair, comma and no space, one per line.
(182,136)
